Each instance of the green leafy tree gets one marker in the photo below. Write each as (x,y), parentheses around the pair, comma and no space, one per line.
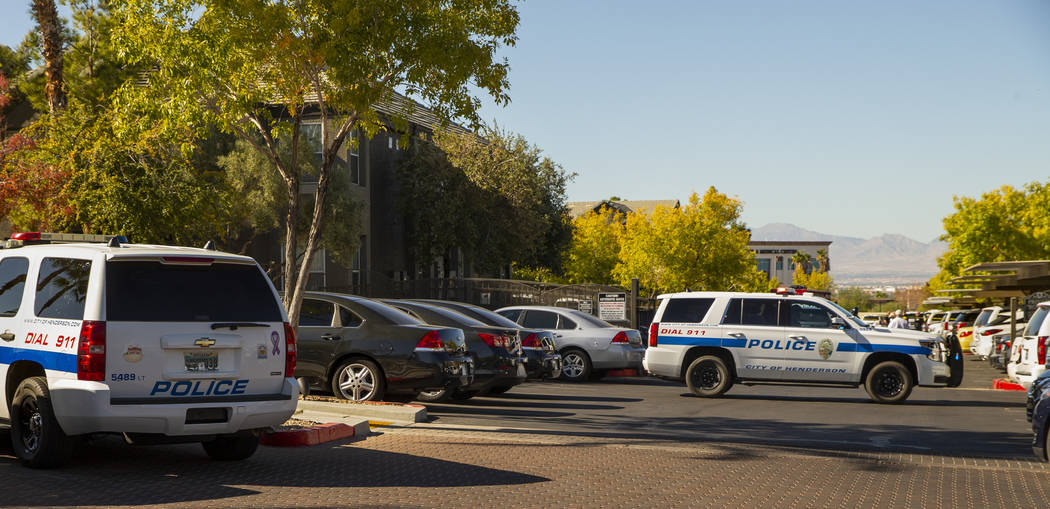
(702,246)
(801,261)
(256,67)
(594,251)
(851,297)
(1005,224)
(815,280)
(506,165)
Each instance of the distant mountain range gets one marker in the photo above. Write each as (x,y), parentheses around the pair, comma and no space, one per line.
(889,259)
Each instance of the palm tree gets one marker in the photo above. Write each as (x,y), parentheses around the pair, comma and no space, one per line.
(823,261)
(51,36)
(801,259)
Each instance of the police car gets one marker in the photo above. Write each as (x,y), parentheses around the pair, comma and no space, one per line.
(715,339)
(158,343)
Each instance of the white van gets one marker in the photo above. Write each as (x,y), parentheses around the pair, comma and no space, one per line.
(159,343)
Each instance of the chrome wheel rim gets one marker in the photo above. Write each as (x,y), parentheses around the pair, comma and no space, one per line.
(432,394)
(572,365)
(32,425)
(357,382)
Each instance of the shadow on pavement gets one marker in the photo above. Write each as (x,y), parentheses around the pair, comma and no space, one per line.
(554,397)
(109,473)
(824,399)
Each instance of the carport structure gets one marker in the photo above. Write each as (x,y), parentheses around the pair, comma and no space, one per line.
(1008,281)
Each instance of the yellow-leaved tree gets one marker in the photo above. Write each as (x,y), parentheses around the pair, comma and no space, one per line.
(701,246)
(594,251)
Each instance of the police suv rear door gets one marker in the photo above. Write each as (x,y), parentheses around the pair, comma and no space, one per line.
(193,329)
(752,330)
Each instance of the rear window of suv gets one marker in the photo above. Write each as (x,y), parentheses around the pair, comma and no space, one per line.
(1036,322)
(686,310)
(147,291)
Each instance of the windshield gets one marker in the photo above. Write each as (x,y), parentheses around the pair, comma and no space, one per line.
(857,322)
(1036,322)
(982,319)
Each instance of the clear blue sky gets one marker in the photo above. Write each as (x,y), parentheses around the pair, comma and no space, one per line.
(841,117)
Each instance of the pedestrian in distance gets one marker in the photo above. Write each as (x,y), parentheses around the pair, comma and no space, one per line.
(898,321)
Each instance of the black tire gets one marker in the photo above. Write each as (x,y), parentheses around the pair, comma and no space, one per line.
(708,377)
(304,386)
(358,379)
(889,382)
(955,361)
(576,365)
(441,396)
(499,389)
(36,436)
(232,447)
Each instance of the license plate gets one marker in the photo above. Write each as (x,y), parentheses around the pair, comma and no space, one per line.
(201,361)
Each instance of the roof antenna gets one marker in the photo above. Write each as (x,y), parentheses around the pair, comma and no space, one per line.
(114,242)
(210,246)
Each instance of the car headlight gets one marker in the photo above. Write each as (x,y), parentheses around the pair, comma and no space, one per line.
(937,349)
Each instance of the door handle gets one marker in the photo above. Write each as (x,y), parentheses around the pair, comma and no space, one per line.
(7,336)
(557,335)
(737,334)
(330,337)
(798,338)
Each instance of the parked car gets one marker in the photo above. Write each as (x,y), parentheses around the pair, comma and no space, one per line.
(872,319)
(363,350)
(498,363)
(589,347)
(987,324)
(961,326)
(1039,416)
(1035,392)
(1028,359)
(541,358)
(999,357)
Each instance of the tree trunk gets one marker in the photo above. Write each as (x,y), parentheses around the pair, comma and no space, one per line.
(312,240)
(51,36)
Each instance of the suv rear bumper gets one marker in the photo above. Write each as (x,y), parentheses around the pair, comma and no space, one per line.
(85,407)
(617,356)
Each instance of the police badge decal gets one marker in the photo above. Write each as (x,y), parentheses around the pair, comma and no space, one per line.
(825,348)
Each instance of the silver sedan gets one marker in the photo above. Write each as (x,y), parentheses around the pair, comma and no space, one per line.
(589,347)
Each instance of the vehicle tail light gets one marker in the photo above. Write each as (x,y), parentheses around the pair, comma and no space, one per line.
(1041,350)
(291,353)
(430,341)
(654,334)
(620,337)
(989,332)
(966,333)
(531,341)
(493,340)
(91,351)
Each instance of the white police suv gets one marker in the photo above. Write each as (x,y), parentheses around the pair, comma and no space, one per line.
(158,343)
(715,339)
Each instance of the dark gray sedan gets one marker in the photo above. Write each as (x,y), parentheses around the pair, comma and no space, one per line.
(363,350)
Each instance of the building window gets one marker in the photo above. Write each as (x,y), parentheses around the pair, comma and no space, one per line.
(763,265)
(780,263)
(316,279)
(353,160)
(359,266)
(310,135)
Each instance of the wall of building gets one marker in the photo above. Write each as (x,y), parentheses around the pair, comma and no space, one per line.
(775,257)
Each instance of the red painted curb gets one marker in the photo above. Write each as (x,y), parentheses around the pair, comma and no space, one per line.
(622,372)
(1004,384)
(309,436)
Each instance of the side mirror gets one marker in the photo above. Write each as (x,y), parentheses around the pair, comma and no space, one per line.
(839,323)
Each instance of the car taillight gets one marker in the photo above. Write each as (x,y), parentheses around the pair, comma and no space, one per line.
(91,351)
(290,352)
(654,334)
(965,333)
(620,337)
(431,341)
(531,341)
(1041,350)
(989,332)
(493,340)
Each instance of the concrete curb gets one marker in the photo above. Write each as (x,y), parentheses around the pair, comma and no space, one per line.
(315,435)
(1003,384)
(377,412)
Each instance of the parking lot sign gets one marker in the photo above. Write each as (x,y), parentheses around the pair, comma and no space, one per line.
(612,306)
